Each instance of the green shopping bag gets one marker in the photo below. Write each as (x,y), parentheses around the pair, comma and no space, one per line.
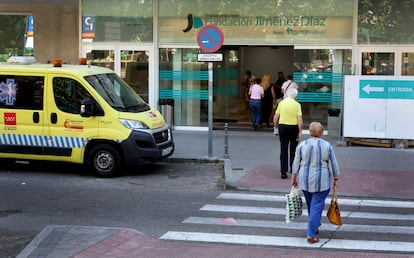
(293,204)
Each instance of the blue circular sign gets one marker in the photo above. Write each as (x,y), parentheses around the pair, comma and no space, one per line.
(210,38)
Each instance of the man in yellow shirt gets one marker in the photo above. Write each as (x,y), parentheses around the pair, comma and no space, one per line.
(288,119)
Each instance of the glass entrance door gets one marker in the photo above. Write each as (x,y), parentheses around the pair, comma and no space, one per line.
(319,74)
(129,62)
(134,70)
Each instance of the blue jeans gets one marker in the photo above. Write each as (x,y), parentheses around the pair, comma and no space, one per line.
(256,109)
(315,203)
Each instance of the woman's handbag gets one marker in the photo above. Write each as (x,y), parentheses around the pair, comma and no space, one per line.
(293,204)
(334,214)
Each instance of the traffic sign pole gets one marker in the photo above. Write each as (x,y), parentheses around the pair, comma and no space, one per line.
(210,109)
(210,39)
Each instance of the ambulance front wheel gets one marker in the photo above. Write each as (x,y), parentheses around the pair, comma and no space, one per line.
(104,160)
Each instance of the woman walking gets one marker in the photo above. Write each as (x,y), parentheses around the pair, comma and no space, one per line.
(256,94)
(314,168)
(267,101)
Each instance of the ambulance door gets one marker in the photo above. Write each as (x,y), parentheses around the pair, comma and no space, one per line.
(21,108)
(67,130)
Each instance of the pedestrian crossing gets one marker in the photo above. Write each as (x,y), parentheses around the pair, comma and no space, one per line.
(368,224)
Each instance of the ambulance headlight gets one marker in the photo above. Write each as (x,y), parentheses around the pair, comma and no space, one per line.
(132,124)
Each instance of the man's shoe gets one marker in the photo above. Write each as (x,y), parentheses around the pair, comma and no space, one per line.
(284,176)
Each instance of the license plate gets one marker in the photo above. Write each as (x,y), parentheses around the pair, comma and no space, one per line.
(166,151)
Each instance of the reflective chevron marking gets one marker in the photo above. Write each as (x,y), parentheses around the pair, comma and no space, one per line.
(38,140)
(282,211)
(299,225)
(388,246)
(342,201)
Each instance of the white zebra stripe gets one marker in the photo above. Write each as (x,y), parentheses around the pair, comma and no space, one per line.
(282,211)
(299,225)
(388,246)
(342,201)
(284,241)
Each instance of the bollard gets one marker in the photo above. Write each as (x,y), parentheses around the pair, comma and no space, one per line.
(226,141)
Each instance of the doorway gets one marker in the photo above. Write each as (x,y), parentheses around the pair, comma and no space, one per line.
(130,62)
(230,103)
(318,72)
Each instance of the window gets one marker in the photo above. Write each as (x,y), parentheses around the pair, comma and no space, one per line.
(407,65)
(375,63)
(117,93)
(16,36)
(120,21)
(21,92)
(69,94)
(319,74)
(385,22)
(257,22)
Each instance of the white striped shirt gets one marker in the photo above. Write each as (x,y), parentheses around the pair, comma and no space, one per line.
(316,164)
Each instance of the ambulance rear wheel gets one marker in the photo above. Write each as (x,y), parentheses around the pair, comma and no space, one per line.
(104,160)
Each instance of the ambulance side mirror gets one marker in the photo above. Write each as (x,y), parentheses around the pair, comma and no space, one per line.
(89,108)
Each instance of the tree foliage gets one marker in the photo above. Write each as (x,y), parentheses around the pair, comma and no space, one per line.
(12,34)
(385,21)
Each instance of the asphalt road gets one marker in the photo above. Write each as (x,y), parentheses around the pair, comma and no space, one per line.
(156,200)
(150,199)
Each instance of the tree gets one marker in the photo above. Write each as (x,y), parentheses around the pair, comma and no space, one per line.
(12,35)
(385,21)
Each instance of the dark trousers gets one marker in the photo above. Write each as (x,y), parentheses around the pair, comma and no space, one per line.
(288,135)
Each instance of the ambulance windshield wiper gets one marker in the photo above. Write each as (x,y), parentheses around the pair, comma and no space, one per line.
(120,108)
(139,107)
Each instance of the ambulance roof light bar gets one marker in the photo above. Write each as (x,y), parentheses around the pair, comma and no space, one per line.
(57,62)
(22,60)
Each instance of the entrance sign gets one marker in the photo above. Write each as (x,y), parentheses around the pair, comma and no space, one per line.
(386,89)
(378,107)
(210,38)
(218,57)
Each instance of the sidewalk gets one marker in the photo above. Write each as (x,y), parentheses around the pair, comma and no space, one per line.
(253,165)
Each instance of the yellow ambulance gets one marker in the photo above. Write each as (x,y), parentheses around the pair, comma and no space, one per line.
(77,113)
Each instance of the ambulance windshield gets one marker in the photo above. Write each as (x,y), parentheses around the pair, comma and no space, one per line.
(117,93)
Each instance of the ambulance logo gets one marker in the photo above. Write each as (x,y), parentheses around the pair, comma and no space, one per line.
(151,114)
(73,124)
(10,119)
(8,92)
